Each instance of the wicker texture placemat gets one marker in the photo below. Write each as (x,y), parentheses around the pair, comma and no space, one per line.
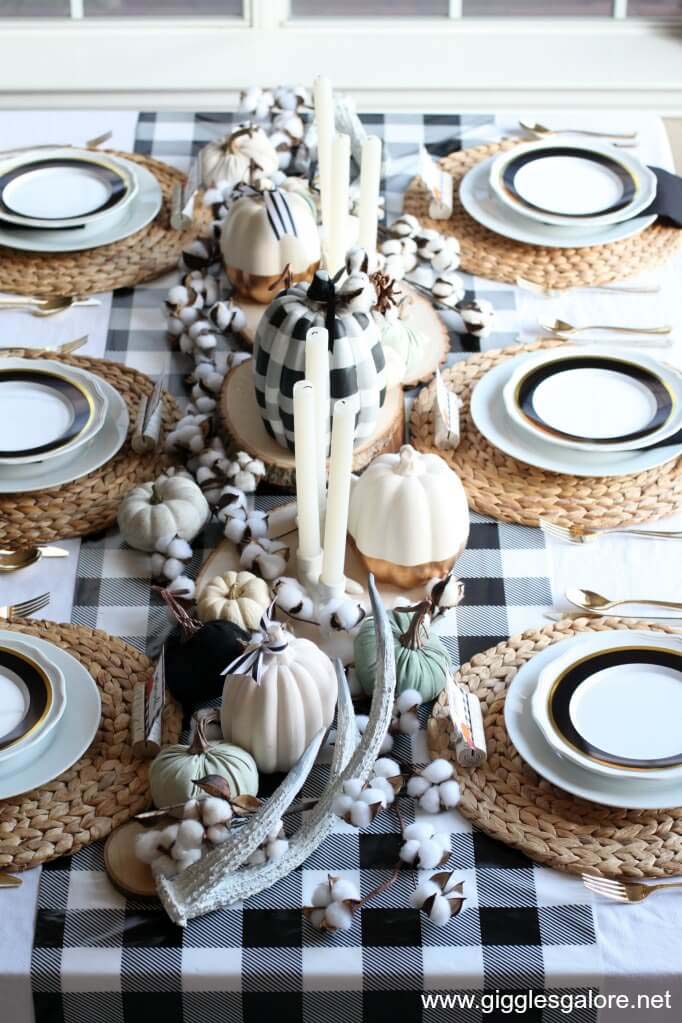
(148,253)
(510,802)
(497,484)
(90,503)
(491,255)
(108,785)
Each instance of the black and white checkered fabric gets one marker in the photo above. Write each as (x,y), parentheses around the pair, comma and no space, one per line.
(99,956)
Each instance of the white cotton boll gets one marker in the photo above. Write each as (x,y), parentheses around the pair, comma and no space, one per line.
(238,323)
(178,295)
(183,587)
(343,889)
(408,699)
(409,724)
(190,835)
(341,615)
(277,849)
(188,315)
(437,771)
(385,787)
(217,834)
(394,266)
(450,793)
(215,811)
(235,528)
(361,720)
(419,830)
(212,197)
(173,568)
(372,796)
(423,892)
(179,548)
(443,838)
(191,809)
(360,815)
(157,562)
(257,858)
(206,342)
(417,786)
(164,866)
(270,566)
(386,744)
(292,598)
(342,804)
(386,768)
(338,917)
(430,854)
(353,787)
(405,226)
(430,800)
(188,858)
(440,912)
(322,895)
(168,835)
(316,918)
(174,326)
(146,846)
(409,850)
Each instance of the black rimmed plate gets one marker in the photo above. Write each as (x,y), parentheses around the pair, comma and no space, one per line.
(42,412)
(621,707)
(25,697)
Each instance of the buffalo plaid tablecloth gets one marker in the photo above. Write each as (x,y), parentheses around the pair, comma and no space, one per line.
(101,956)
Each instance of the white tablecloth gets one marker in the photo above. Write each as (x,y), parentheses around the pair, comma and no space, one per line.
(639,944)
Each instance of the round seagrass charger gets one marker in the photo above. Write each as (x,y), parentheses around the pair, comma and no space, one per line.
(487,254)
(89,504)
(109,784)
(510,802)
(148,253)
(497,484)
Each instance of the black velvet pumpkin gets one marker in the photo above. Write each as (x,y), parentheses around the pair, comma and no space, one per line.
(194,666)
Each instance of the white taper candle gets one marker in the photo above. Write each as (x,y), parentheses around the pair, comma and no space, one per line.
(370,183)
(306,470)
(324,124)
(317,371)
(338,214)
(336,520)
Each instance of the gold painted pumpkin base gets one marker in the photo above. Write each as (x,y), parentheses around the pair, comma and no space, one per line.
(260,288)
(405,577)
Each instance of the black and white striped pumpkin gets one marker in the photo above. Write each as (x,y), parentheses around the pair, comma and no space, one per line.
(357,366)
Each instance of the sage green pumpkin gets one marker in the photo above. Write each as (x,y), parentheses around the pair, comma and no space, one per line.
(424,668)
(173,772)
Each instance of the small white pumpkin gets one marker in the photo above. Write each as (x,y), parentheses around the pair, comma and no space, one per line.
(245,153)
(173,772)
(264,233)
(170,506)
(237,597)
(406,344)
(408,517)
(289,695)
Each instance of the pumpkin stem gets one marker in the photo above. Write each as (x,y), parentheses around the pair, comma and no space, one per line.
(188,624)
(155,497)
(417,632)
(200,742)
(228,144)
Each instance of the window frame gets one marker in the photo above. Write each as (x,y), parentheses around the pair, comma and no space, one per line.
(473,63)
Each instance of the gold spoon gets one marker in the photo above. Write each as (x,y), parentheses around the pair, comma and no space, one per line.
(9,881)
(588,600)
(562,327)
(12,561)
(47,306)
(542,129)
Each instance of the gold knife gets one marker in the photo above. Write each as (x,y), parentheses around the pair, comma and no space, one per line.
(9,881)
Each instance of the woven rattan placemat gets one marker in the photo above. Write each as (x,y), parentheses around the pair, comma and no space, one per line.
(488,254)
(90,503)
(509,801)
(148,253)
(108,785)
(512,491)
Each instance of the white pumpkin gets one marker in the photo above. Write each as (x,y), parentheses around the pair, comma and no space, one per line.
(275,714)
(405,344)
(170,506)
(408,517)
(237,597)
(245,153)
(264,233)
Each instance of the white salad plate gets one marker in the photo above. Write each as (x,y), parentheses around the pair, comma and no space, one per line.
(71,736)
(494,422)
(632,793)
(572,184)
(71,465)
(616,710)
(136,214)
(32,697)
(480,202)
(48,408)
(593,399)
(63,187)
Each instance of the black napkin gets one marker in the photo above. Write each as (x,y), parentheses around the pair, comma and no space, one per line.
(668,202)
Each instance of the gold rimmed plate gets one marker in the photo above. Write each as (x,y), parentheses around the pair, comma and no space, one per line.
(26,696)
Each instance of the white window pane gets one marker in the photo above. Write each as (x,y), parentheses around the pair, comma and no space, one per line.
(154,8)
(369,8)
(537,8)
(29,8)
(655,8)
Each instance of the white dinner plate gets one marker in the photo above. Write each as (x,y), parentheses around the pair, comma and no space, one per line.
(72,734)
(616,709)
(136,214)
(632,793)
(494,422)
(63,187)
(71,465)
(32,696)
(593,399)
(48,408)
(480,202)
(572,183)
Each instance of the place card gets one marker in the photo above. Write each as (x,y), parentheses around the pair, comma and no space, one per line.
(446,406)
(438,183)
(148,704)
(183,196)
(468,734)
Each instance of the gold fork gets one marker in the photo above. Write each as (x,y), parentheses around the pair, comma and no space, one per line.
(624,891)
(64,349)
(10,612)
(580,534)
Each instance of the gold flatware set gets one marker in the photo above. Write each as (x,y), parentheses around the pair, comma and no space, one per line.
(45,306)
(624,891)
(24,608)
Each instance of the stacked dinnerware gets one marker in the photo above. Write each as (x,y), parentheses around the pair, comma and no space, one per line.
(59,422)
(561,194)
(67,199)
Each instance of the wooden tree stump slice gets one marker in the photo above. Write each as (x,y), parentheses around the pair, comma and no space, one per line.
(123,868)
